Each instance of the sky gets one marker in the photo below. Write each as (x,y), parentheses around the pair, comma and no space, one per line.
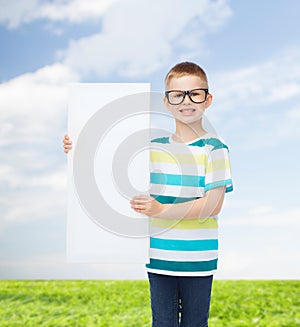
(251,53)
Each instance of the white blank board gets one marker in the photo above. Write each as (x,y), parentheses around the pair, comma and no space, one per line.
(95,118)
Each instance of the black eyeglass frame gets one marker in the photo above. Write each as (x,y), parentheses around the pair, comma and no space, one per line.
(185,93)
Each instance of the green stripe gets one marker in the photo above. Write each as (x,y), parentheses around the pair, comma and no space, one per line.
(179,180)
(183,245)
(198,223)
(172,199)
(178,158)
(184,266)
(216,165)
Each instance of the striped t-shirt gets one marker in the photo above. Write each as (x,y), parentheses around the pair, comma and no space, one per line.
(183,172)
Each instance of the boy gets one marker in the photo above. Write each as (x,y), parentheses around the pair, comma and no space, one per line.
(189,176)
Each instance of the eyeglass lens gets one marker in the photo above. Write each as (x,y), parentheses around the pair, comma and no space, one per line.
(177,97)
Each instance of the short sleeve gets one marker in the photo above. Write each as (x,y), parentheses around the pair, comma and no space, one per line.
(218,169)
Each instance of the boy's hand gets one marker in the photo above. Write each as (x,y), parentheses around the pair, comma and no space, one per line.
(146,205)
(67,143)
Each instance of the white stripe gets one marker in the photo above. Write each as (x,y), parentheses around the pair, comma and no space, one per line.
(181,273)
(219,154)
(218,175)
(171,255)
(178,191)
(184,234)
(176,148)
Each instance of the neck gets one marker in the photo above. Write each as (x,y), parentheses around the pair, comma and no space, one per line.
(188,132)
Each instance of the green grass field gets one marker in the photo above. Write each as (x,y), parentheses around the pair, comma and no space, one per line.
(126,303)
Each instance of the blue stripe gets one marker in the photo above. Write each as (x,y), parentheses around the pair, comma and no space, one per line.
(215,143)
(226,182)
(183,245)
(185,266)
(171,199)
(179,180)
(163,140)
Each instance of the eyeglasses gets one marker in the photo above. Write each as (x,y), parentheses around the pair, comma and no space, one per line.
(177,96)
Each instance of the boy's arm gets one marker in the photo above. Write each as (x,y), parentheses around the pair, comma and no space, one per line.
(209,205)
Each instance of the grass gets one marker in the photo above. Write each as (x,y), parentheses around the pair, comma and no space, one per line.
(255,304)
(126,303)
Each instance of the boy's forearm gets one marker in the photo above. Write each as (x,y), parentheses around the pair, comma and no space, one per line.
(208,206)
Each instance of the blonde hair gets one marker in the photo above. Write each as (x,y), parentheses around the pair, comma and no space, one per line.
(185,68)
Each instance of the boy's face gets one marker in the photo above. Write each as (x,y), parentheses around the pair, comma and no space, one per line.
(187,112)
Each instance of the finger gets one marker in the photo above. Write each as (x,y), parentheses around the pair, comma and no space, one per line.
(138,206)
(139,210)
(141,199)
(66,137)
(67,149)
(140,203)
(137,197)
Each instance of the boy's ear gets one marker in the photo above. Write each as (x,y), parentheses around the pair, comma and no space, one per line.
(166,103)
(208,100)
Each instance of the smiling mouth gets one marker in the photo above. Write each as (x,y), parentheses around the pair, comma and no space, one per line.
(187,111)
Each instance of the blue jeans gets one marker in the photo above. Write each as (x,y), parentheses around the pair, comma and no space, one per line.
(180,301)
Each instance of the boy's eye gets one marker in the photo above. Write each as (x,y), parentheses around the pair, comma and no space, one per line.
(178,95)
(194,94)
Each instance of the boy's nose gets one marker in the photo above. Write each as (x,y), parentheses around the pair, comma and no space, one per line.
(187,99)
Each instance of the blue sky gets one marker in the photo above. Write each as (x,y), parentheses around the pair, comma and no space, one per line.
(251,52)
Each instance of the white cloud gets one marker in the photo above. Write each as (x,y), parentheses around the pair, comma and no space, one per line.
(75,11)
(31,204)
(15,179)
(269,82)
(54,266)
(33,104)
(32,179)
(255,239)
(265,216)
(289,127)
(136,36)
(14,13)
(140,37)
(234,264)
(258,105)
